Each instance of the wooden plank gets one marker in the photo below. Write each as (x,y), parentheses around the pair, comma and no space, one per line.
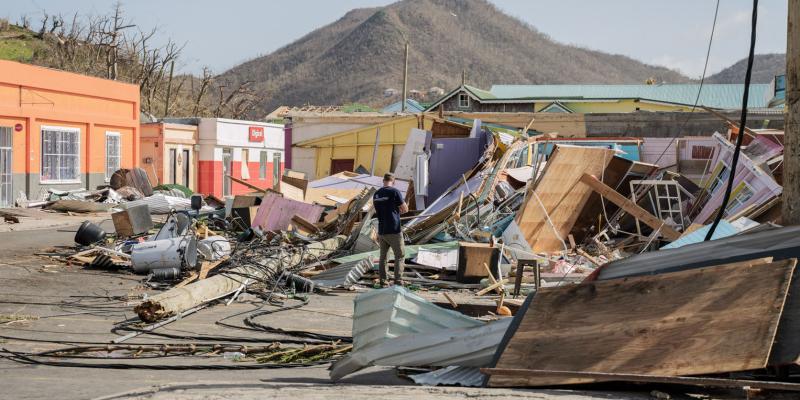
(304,224)
(189,279)
(630,207)
(562,197)
(701,321)
(208,266)
(248,184)
(450,300)
(494,286)
(587,256)
(677,380)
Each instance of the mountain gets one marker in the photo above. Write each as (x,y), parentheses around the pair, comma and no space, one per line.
(357,57)
(765,67)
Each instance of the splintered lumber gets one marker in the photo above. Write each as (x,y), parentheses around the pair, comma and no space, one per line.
(702,321)
(554,203)
(177,300)
(677,380)
(208,266)
(630,207)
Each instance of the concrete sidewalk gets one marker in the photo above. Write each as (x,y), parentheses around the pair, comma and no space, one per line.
(31,219)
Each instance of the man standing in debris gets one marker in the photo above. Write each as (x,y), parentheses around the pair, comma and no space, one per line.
(389,205)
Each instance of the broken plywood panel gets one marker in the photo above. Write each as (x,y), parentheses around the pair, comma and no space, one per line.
(560,196)
(276,212)
(701,321)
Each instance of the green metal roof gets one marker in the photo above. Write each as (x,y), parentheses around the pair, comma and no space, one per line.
(726,96)
(480,93)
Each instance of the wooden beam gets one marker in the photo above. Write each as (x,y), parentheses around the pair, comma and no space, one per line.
(630,207)
(498,284)
(678,380)
(208,266)
(450,300)
(250,185)
(305,224)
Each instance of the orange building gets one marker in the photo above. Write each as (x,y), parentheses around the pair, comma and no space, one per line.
(169,153)
(62,130)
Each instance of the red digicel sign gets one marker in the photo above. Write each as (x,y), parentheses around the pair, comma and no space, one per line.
(256,134)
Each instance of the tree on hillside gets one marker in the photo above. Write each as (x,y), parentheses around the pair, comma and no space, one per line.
(112,46)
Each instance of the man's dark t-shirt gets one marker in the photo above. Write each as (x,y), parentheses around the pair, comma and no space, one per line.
(387,201)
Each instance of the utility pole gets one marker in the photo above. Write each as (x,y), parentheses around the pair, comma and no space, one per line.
(791,151)
(405,81)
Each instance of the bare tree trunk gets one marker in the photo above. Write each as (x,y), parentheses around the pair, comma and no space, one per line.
(169,88)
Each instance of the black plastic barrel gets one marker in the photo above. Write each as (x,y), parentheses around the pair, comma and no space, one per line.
(89,233)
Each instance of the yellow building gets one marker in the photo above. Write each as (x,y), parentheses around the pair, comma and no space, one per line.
(346,151)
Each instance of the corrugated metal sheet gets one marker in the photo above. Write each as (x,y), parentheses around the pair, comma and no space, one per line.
(451,376)
(412,106)
(712,95)
(781,243)
(344,275)
(466,347)
(724,229)
(410,252)
(394,312)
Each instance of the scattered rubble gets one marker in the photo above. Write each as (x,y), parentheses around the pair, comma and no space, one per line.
(556,262)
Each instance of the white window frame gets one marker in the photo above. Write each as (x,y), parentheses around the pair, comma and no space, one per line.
(736,203)
(42,157)
(461,104)
(119,152)
(718,180)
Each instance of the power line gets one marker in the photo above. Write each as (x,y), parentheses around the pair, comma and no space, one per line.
(742,123)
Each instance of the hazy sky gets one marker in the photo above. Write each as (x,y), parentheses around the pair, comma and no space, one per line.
(674,33)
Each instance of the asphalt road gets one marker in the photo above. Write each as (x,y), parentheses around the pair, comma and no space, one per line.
(58,302)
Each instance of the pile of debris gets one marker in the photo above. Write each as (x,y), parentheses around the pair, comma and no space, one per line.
(607,252)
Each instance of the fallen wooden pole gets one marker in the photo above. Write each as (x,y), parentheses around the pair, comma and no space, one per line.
(678,380)
(177,300)
(630,207)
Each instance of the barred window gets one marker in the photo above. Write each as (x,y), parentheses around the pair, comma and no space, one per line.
(60,155)
(113,154)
